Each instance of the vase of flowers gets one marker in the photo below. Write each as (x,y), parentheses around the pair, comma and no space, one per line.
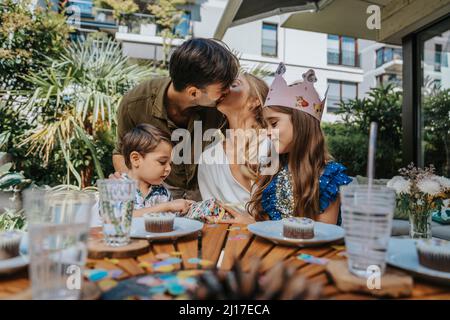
(419,193)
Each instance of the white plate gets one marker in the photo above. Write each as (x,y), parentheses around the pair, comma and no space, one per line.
(402,254)
(181,226)
(273,231)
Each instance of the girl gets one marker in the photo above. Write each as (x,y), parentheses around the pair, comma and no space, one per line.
(307,182)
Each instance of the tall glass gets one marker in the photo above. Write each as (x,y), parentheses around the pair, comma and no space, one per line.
(58,226)
(116,207)
(367,220)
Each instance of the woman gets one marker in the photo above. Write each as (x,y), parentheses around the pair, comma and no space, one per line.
(223,174)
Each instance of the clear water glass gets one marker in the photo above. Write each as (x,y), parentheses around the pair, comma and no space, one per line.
(58,227)
(367,220)
(116,207)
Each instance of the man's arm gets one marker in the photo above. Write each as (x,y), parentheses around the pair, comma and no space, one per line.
(119,163)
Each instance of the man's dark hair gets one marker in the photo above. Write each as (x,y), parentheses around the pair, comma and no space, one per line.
(201,62)
(144,138)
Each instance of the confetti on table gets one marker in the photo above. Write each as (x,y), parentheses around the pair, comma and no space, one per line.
(162,256)
(176,253)
(238,237)
(173,260)
(157,289)
(113,261)
(205,263)
(96,274)
(175,289)
(337,247)
(234,228)
(194,260)
(145,264)
(116,273)
(107,284)
(162,263)
(311,259)
(188,273)
(149,281)
(168,268)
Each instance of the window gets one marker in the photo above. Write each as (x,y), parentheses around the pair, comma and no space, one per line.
(340,91)
(386,78)
(437,57)
(85,6)
(183,29)
(342,51)
(269,39)
(387,54)
(333,49)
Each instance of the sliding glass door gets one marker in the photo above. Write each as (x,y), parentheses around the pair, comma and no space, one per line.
(433,46)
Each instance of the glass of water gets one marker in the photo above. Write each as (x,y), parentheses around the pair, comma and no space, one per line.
(58,227)
(367,220)
(116,206)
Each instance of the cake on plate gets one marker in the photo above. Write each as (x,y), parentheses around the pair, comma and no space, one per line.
(298,228)
(434,254)
(159,222)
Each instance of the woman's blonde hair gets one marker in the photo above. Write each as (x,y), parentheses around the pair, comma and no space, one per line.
(258,90)
(306,162)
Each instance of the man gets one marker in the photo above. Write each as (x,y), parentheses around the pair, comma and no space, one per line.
(201,72)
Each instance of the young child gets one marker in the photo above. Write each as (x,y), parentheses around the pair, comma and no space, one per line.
(147,151)
(307,182)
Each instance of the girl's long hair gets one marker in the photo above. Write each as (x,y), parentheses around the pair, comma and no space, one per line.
(306,161)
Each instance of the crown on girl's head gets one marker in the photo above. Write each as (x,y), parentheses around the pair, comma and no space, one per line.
(300,95)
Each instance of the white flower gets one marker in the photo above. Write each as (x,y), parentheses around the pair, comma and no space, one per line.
(429,186)
(443,181)
(399,184)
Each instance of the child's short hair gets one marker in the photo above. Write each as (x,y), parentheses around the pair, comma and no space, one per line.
(144,138)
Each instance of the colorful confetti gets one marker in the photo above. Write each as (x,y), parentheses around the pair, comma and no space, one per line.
(116,273)
(168,268)
(238,237)
(311,259)
(149,281)
(194,260)
(173,260)
(145,264)
(96,274)
(176,253)
(107,284)
(157,289)
(175,289)
(162,256)
(205,263)
(337,247)
(113,261)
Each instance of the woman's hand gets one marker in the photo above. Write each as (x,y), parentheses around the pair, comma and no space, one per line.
(179,205)
(237,218)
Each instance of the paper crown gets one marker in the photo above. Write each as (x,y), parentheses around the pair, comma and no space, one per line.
(300,95)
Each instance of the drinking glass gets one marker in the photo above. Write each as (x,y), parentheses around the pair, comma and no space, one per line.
(367,215)
(116,207)
(58,227)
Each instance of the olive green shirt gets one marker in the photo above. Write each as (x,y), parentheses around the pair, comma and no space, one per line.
(145,104)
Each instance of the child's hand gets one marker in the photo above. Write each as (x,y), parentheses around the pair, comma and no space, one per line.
(179,205)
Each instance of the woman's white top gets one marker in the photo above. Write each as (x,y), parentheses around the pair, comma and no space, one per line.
(215,179)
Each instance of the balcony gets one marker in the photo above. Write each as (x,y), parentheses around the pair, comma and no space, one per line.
(138,32)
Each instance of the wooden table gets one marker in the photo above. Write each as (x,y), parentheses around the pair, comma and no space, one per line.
(221,244)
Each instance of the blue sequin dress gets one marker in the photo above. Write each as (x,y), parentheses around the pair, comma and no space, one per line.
(278,199)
